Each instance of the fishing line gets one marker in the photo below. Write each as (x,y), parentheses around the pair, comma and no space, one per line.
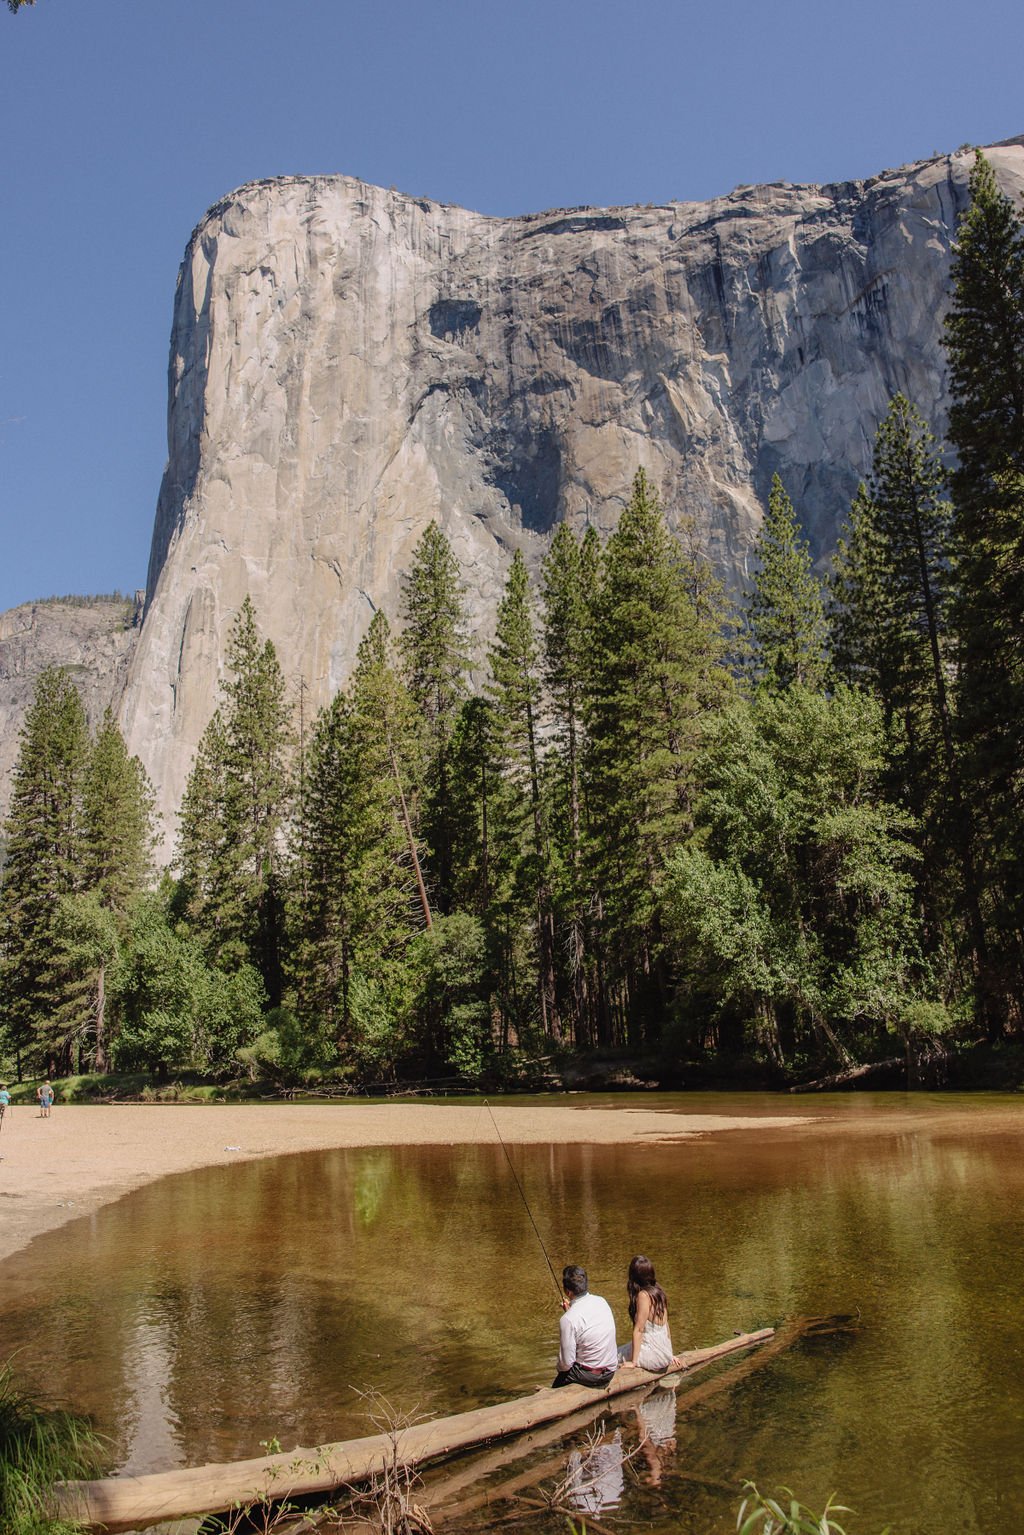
(519,1186)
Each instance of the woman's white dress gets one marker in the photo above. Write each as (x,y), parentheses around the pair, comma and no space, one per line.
(655,1347)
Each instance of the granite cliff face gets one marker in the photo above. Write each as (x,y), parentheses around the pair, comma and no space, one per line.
(349,363)
(94,641)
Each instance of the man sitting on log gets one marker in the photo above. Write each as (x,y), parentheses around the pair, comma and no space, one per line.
(587,1354)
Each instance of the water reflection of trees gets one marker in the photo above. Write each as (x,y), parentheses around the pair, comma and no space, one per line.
(206,1313)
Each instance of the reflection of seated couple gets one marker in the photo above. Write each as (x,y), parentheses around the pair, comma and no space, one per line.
(588,1356)
(595,1478)
(587,1352)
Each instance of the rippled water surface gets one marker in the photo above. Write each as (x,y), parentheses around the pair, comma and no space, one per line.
(214,1310)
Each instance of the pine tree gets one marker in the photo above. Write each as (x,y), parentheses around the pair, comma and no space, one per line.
(655,672)
(42,866)
(891,586)
(985,346)
(891,599)
(566,619)
(364,900)
(234,811)
(117,843)
(437,658)
(785,612)
(984,340)
(521,856)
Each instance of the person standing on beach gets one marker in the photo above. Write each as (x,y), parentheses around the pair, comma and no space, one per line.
(45,1096)
(5,1102)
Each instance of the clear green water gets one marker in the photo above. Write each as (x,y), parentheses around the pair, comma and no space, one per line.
(211,1311)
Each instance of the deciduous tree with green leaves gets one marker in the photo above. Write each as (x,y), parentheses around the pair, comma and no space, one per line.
(792,907)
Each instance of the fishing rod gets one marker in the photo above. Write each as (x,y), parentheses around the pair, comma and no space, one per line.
(519,1186)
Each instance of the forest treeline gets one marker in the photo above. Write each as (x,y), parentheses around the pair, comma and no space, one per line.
(783,830)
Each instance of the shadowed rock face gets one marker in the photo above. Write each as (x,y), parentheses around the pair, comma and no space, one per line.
(348,363)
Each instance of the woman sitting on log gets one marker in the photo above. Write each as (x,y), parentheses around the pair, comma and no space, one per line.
(651,1344)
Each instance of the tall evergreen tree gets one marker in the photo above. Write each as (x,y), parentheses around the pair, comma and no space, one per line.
(655,671)
(363,900)
(117,841)
(984,340)
(521,854)
(233,814)
(985,346)
(567,593)
(437,658)
(785,612)
(42,866)
(890,599)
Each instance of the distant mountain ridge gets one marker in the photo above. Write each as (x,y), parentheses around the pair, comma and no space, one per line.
(349,363)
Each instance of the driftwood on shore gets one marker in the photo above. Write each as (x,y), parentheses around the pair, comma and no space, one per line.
(851,1074)
(125,1503)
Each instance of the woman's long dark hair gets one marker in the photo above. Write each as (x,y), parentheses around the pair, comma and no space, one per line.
(641,1277)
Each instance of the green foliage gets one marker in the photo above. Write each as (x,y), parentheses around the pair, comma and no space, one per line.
(760,1515)
(793,903)
(655,671)
(39,1447)
(984,339)
(437,659)
(985,346)
(289,1049)
(520,874)
(360,906)
(570,581)
(234,811)
(173,1011)
(890,608)
(41,867)
(785,614)
(449,963)
(890,585)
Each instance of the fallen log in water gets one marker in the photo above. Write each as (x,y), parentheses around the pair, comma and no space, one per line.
(125,1503)
(438,1496)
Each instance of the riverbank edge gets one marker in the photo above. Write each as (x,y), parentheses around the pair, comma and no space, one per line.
(85,1156)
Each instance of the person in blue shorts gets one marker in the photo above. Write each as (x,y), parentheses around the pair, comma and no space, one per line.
(45,1096)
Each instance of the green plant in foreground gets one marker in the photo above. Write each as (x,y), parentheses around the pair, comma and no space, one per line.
(759,1515)
(38,1448)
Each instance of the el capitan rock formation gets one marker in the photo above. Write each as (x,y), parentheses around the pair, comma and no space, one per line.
(349,363)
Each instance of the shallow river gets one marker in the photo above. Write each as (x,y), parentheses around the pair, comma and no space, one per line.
(215,1310)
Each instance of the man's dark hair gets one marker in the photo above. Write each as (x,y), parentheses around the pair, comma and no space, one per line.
(574,1279)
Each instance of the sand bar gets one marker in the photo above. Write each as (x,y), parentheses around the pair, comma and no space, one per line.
(84,1156)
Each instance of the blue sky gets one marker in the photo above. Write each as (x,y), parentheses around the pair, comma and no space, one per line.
(123,120)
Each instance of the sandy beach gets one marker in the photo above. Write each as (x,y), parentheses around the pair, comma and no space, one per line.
(59,1169)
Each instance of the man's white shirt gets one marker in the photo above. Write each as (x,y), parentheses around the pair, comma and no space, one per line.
(586,1335)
